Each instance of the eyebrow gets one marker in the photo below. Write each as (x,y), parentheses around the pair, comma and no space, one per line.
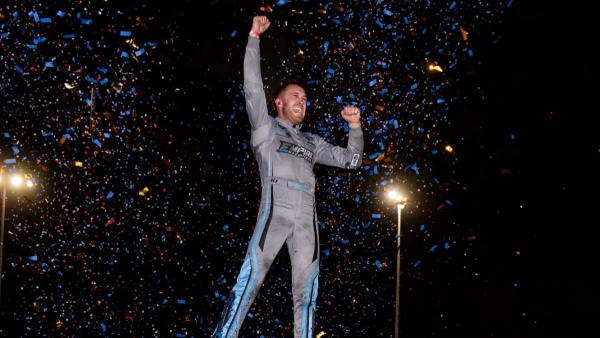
(297,92)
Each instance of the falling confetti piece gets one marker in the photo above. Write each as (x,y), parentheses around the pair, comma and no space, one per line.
(436,68)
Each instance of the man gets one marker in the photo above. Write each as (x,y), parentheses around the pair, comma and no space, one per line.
(286,157)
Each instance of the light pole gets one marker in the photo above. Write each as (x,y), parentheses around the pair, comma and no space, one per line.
(16,181)
(400,202)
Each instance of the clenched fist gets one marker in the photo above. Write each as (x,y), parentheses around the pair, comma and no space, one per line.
(260,24)
(352,115)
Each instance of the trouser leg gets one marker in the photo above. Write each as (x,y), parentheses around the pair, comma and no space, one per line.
(268,238)
(303,246)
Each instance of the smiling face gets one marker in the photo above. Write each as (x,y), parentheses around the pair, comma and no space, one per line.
(291,104)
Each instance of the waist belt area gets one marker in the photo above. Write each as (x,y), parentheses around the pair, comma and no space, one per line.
(291,184)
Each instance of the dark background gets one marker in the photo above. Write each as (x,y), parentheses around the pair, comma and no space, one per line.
(520,262)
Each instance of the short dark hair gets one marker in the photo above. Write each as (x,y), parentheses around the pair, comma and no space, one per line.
(284,86)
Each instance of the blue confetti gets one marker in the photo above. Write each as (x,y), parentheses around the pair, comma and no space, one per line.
(412,167)
(325,46)
(140,52)
(374,156)
(35,16)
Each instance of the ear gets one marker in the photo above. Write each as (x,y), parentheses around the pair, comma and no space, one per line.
(278,103)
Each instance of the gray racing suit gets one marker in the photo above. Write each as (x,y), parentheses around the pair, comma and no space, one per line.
(286,157)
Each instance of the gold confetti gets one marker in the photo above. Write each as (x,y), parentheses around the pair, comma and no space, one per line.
(449,149)
(132,43)
(143,191)
(465,34)
(320,334)
(436,68)
(78,164)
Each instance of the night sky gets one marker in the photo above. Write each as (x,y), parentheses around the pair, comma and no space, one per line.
(130,119)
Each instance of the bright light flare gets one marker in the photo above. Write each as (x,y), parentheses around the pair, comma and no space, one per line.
(16,180)
(396,197)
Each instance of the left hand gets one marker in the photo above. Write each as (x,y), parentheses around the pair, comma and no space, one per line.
(352,115)
(260,24)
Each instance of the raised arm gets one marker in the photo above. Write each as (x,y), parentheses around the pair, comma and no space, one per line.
(256,102)
(351,156)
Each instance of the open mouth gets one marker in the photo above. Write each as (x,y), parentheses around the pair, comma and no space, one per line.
(297,110)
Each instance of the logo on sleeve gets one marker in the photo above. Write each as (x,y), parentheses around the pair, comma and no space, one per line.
(355,159)
(295,150)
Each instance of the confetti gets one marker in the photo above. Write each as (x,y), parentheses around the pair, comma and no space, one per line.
(134,132)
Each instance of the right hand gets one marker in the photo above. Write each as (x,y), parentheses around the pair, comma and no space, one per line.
(260,24)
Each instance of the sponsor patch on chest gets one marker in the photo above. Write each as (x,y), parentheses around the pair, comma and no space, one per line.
(295,150)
